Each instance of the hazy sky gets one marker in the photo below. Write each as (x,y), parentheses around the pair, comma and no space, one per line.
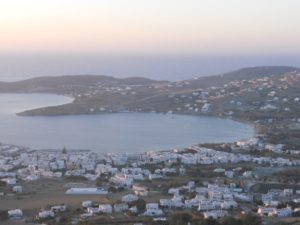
(150,27)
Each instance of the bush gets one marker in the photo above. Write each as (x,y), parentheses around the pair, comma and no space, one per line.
(102,180)
(112,189)
(231,221)
(201,221)
(140,205)
(180,218)
(250,219)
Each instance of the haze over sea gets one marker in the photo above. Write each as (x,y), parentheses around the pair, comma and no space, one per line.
(18,66)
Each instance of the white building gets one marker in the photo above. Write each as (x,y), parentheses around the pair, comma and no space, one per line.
(46,214)
(215,214)
(15,213)
(59,208)
(120,207)
(17,189)
(105,208)
(152,209)
(285,212)
(86,204)
(266,211)
(86,191)
(129,198)
(205,205)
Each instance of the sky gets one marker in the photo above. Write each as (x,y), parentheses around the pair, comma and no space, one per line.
(36,34)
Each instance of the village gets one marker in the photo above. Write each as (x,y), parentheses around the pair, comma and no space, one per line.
(266,97)
(255,179)
(215,182)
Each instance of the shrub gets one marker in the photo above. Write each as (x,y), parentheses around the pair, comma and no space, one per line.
(180,218)
(250,219)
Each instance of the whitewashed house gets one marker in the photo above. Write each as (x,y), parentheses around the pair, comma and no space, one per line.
(105,208)
(152,209)
(46,214)
(120,207)
(86,204)
(228,204)
(215,214)
(9,181)
(285,212)
(59,208)
(86,191)
(129,198)
(92,210)
(15,213)
(175,202)
(288,192)
(266,211)
(133,209)
(205,205)
(17,189)
(122,180)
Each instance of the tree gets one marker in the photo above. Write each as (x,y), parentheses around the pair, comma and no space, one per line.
(103,179)
(140,205)
(112,189)
(64,150)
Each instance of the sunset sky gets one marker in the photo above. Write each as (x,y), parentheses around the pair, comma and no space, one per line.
(150,27)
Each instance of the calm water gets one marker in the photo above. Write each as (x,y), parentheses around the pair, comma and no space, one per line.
(21,66)
(121,132)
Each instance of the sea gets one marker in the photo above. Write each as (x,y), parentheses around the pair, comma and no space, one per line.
(107,133)
(19,66)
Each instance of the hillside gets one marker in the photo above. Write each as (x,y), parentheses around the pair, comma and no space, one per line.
(265,96)
(243,74)
(98,94)
(65,84)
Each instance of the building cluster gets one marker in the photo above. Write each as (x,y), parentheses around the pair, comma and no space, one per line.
(124,169)
(273,96)
(128,171)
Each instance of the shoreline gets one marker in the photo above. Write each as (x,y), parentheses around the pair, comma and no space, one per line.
(253,127)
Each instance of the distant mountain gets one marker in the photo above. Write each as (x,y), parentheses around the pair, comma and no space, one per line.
(98,94)
(59,83)
(256,72)
(243,74)
(62,84)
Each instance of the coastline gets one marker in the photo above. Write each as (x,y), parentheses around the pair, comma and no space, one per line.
(163,113)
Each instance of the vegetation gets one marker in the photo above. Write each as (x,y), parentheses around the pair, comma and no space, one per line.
(64,150)
(75,178)
(3,215)
(185,218)
(2,183)
(102,179)
(140,205)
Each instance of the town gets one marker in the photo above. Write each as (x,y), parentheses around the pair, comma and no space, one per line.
(251,181)
(215,182)
(149,112)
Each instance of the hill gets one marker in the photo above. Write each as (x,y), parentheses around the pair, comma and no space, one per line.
(67,83)
(243,74)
